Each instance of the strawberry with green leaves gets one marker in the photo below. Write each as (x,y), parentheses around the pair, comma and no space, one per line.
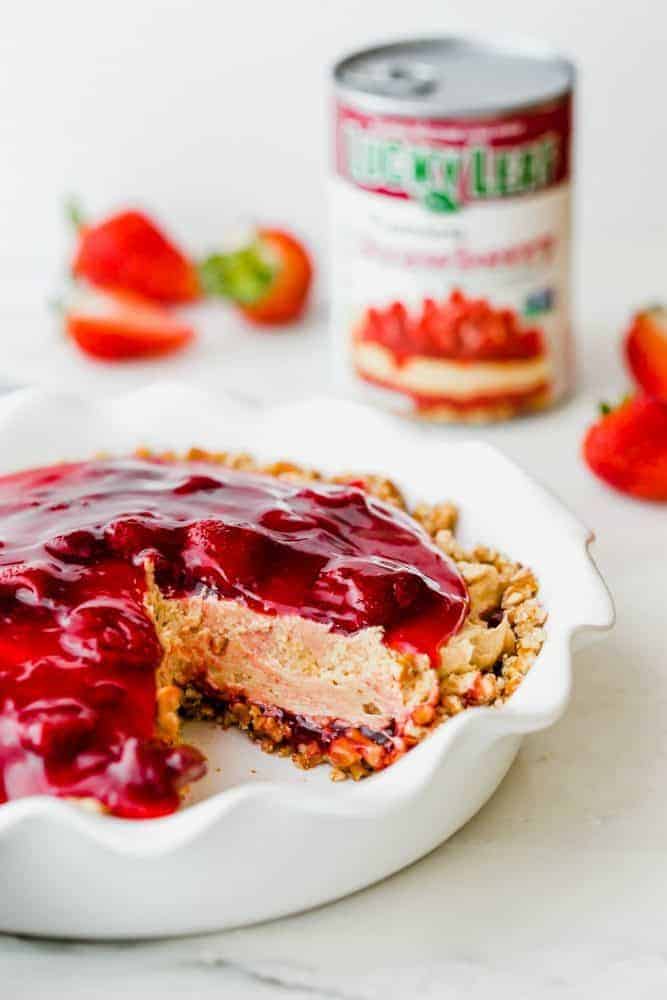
(268,275)
(627,447)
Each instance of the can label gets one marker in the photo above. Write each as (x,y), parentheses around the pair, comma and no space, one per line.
(451,246)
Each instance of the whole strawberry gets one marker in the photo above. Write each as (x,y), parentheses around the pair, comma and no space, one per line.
(268,276)
(627,447)
(128,252)
(646,350)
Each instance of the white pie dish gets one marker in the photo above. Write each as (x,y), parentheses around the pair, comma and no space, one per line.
(260,838)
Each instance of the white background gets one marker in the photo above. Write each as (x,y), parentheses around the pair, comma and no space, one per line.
(211,109)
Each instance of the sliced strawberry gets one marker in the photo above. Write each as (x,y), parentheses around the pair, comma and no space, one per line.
(120,326)
(646,350)
(627,448)
(128,251)
(269,277)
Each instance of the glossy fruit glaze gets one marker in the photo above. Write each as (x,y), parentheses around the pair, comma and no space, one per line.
(458,329)
(78,650)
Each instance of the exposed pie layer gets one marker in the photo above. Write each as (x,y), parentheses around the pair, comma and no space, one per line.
(300,665)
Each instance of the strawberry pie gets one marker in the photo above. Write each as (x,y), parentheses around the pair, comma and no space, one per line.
(321,616)
(458,360)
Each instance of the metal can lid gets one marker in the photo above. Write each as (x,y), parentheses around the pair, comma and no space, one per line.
(452,78)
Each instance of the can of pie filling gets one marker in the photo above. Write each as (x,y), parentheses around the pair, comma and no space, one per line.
(451,227)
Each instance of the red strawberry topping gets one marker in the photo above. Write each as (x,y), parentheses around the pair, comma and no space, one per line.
(459,328)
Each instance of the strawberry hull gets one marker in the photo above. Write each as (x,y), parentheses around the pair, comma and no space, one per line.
(451,226)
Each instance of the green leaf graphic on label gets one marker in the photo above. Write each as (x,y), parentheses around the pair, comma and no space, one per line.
(541,301)
(435,201)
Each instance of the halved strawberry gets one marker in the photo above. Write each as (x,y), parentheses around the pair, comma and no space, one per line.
(128,251)
(121,326)
(627,448)
(646,350)
(268,277)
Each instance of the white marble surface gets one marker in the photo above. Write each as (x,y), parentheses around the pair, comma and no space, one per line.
(558,888)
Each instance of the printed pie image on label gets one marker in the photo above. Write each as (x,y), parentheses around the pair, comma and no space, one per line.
(460,356)
(451,248)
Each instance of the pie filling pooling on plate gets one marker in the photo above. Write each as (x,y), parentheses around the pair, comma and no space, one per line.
(319,616)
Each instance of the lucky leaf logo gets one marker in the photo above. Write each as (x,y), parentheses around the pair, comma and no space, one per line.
(423,173)
(444,179)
